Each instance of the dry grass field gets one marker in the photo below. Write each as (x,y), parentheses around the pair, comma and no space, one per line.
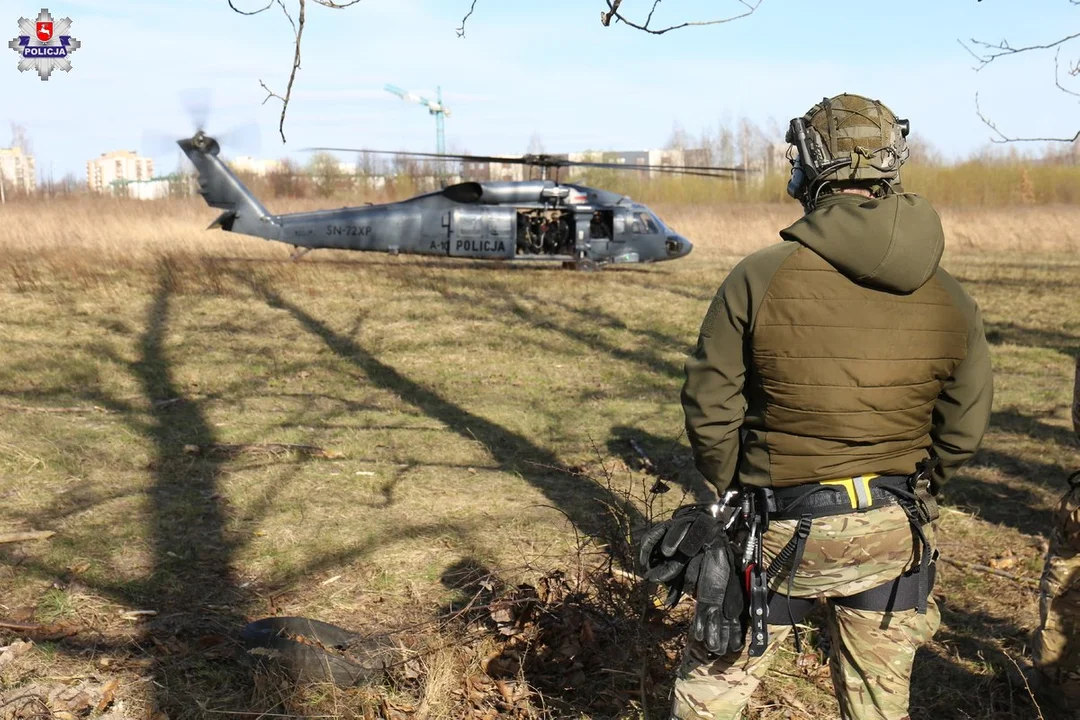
(440,450)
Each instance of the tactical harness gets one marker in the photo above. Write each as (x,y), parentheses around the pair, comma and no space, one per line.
(840,497)
(671,551)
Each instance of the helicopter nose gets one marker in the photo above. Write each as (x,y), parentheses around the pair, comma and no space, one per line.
(678,246)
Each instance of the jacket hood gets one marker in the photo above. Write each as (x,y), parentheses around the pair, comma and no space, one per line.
(892,243)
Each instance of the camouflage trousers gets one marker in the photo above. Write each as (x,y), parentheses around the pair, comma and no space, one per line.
(872,652)
(1057,640)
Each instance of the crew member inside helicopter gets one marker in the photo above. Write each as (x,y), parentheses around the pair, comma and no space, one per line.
(600,227)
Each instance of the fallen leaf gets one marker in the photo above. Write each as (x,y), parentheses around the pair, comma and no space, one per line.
(14,650)
(1002,562)
(208,641)
(79,568)
(588,635)
(73,699)
(108,694)
(412,670)
(502,615)
(505,690)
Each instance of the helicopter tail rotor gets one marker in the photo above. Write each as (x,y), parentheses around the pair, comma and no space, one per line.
(197,105)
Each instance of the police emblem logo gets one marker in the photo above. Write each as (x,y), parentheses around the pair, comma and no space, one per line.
(44,44)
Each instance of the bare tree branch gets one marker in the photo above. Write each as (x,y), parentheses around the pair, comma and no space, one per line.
(605,17)
(461,30)
(1072,71)
(988,52)
(1003,138)
(1002,49)
(298,33)
(253,12)
(613,13)
(613,7)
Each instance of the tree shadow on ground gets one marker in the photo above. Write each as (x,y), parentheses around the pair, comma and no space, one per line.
(942,688)
(578,499)
(1020,504)
(581,329)
(190,582)
(1018,423)
(1010,505)
(1009,333)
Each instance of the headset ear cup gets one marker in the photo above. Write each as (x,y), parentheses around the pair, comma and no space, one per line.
(797,183)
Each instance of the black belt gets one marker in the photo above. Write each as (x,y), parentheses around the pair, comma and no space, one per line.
(837,497)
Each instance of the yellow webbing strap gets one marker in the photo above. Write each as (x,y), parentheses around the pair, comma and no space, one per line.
(858,490)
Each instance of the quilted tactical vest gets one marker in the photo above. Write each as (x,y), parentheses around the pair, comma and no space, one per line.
(845,377)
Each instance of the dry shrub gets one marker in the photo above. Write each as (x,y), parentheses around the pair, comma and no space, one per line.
(579,637)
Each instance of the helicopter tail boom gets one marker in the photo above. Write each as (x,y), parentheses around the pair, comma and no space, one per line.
(242,212)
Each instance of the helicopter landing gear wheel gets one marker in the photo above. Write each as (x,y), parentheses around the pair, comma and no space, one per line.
(586,265)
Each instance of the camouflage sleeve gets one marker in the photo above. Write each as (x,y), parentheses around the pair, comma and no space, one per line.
(962,411)
(712,396)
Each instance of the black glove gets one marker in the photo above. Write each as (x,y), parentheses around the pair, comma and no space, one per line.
(668,549)
(720,602)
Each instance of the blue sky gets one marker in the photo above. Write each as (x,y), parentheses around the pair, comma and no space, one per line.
(546,68)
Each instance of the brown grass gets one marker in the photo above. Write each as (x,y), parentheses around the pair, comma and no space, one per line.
(102,233)
(461,406)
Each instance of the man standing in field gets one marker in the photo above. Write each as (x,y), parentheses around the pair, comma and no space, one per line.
(1057,640)
(829,368)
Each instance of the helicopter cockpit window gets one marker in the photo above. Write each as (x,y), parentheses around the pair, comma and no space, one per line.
(645,223)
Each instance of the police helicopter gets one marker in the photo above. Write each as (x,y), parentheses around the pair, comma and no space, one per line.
(531,220)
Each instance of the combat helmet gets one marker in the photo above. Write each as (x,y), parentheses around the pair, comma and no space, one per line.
(845,140)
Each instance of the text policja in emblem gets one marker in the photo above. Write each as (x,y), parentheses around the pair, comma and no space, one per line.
(45,44)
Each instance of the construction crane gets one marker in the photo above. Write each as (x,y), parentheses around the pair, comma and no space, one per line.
(435,107)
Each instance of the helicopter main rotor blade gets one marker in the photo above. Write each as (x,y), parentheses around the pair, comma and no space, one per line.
(699,173)
(433,156)
(548,161)
(670,171)
(661,168)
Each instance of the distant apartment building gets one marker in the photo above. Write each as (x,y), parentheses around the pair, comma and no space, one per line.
(154,189)
(17,170)
(117,167)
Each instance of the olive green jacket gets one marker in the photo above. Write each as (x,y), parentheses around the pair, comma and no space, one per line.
(843,350)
